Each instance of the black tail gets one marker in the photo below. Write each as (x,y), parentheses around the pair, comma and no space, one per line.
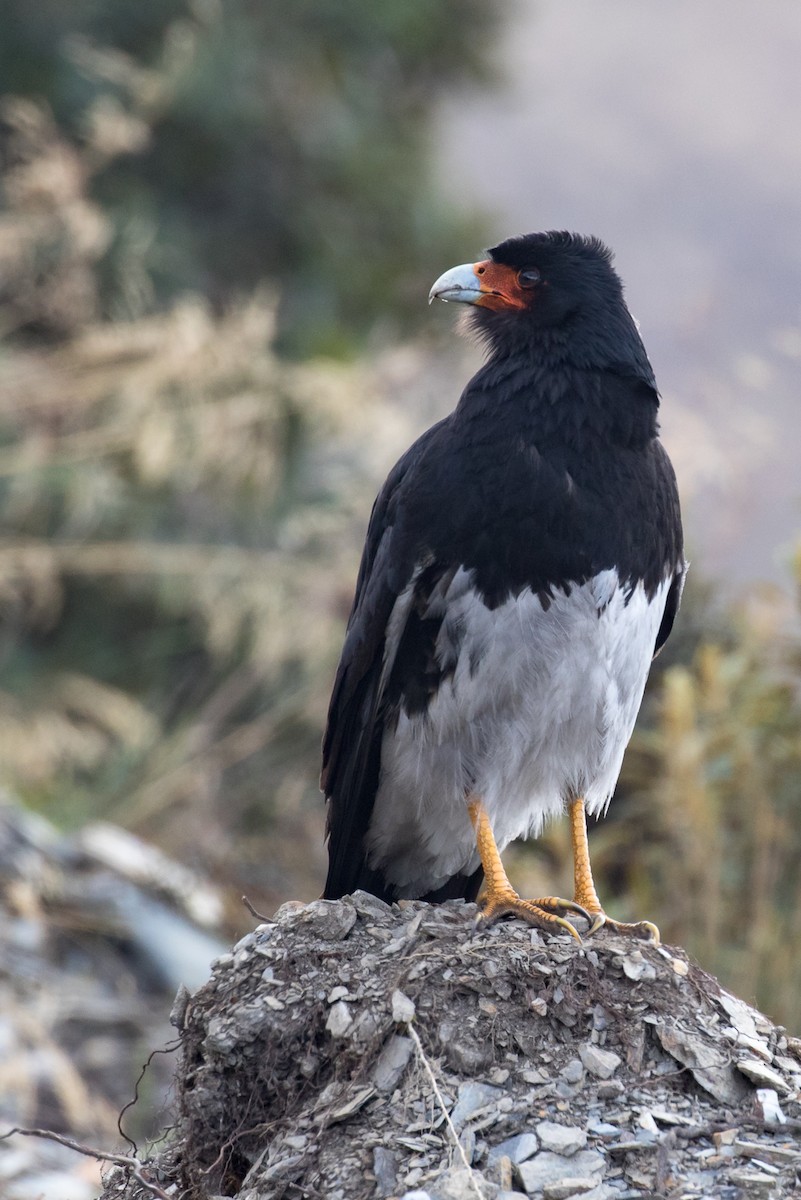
(458,887)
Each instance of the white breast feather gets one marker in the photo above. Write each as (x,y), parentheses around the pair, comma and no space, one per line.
(525,722)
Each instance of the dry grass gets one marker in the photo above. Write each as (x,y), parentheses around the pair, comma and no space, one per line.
(170,466)
(181,522)
(728,790)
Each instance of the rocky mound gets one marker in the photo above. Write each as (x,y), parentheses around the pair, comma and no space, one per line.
(348,1049)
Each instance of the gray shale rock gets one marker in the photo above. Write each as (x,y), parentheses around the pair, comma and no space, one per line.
(516,1149)
(332,919)
(473,1099)
(562,1139)
(339,1019)
(600,1063)
(573,1072)
(346,1045)
(392,1062)
(566,1189)
(555,1168)
(385,1169)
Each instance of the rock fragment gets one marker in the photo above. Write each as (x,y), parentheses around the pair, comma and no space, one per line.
(566,1189)
(561,1139)
(573,1072)
(609,1089)
(332,919)
(370,907)
(351,1106)
(768,1101)
(392,1062)
(636,967)
(385,1169)
(709,1065)
(517,1149)
(460,1183)
(739,1013)
(472,1099)
(403,1008)
(547,1167)
(339,1019)
(600,1063)
(761,1074)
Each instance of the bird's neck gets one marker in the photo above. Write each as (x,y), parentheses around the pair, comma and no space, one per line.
(562,404)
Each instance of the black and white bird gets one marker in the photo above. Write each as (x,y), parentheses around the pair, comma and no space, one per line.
(523,565)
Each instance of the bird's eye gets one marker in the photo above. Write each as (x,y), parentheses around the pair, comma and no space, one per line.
(528,278)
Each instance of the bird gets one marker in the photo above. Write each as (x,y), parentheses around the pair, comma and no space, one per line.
(523,565)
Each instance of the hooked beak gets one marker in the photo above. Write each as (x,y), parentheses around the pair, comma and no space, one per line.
(488,284)
(460,284)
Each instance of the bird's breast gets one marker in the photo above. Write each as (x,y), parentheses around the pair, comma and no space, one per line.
(534,702)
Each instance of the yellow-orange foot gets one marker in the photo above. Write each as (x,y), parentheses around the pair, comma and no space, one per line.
(505,902)
(646,931)
(585,894)
(500,899)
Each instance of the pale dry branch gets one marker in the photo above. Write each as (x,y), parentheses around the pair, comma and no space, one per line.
(432,1079)
(128,1163)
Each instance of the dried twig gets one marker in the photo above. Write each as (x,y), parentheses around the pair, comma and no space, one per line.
(135,1098)
(133,1165)
(254,912)
(421,1054)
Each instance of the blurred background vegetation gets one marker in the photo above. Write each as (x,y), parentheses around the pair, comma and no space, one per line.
(217,231)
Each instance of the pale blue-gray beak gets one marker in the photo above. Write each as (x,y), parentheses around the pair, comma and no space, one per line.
(460,284)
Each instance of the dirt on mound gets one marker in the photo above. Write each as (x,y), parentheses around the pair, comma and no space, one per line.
(348,1049)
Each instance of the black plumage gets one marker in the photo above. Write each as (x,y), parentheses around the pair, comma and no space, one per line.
(546,478)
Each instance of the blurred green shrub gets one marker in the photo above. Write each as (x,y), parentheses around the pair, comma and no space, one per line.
(227,142)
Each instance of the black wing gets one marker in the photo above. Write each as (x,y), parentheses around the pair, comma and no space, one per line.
(670,514)
(671,607)
(352,741)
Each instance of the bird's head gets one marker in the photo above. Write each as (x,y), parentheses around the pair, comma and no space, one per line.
(554,292)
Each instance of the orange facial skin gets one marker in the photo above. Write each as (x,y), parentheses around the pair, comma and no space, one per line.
(499,287)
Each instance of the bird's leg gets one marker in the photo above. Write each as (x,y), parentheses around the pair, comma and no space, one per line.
(499,897)
(584,887)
